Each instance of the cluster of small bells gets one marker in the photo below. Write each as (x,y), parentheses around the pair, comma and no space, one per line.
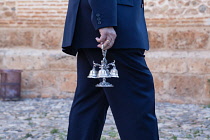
(104,71)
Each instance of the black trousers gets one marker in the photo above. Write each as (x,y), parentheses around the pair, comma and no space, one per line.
(132,99)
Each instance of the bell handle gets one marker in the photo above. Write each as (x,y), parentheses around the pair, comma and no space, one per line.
(96,64)
(113,64)
(104,53)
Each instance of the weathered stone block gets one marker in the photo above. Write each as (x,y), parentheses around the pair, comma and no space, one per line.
(15,38)
(68,82)
(48,38)
(59,61)
(48,83)
(156,40)
(160,82)
(181,88)
(29,82)
(199,65)
(187,88)
(190,39)
(167,65)
(30,59)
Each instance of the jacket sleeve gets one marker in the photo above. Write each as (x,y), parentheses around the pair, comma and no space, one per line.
(104,13)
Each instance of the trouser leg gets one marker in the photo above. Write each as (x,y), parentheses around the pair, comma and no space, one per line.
(132,99)
(89,107)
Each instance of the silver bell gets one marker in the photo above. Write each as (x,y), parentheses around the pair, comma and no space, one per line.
(102,73)
(93,73)
(114,72)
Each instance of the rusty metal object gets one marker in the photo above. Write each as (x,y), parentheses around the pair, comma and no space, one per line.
(10,86)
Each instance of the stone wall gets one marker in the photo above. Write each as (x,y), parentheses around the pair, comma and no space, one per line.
(179,30)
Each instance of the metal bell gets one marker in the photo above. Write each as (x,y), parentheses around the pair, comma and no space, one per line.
(93,73)
(102,73)
(114,72)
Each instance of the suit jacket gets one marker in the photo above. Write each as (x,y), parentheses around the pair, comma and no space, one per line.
(85,17)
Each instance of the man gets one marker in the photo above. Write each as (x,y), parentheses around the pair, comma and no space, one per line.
(119,27)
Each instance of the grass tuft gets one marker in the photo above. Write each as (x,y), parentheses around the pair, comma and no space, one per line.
(53,131)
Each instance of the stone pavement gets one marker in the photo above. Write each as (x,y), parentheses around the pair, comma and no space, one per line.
(47,119)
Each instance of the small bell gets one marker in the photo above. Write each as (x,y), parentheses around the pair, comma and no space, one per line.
(103,73)
(114,72)
(93,73)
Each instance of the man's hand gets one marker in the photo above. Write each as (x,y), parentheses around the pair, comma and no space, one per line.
(107,38)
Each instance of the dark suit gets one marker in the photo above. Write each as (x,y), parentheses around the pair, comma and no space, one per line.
(132,100)
(81,26)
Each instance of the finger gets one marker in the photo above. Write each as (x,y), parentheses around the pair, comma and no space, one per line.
(112,40)
(107,43)
(97,39)
(102,38)
(108,47)
(100,45)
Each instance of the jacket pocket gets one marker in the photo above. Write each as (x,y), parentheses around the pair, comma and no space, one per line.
(125,2)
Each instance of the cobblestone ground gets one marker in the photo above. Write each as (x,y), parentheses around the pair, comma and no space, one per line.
(47,119)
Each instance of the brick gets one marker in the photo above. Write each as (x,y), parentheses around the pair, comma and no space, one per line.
(190,39)
(160,9)
(10,3)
